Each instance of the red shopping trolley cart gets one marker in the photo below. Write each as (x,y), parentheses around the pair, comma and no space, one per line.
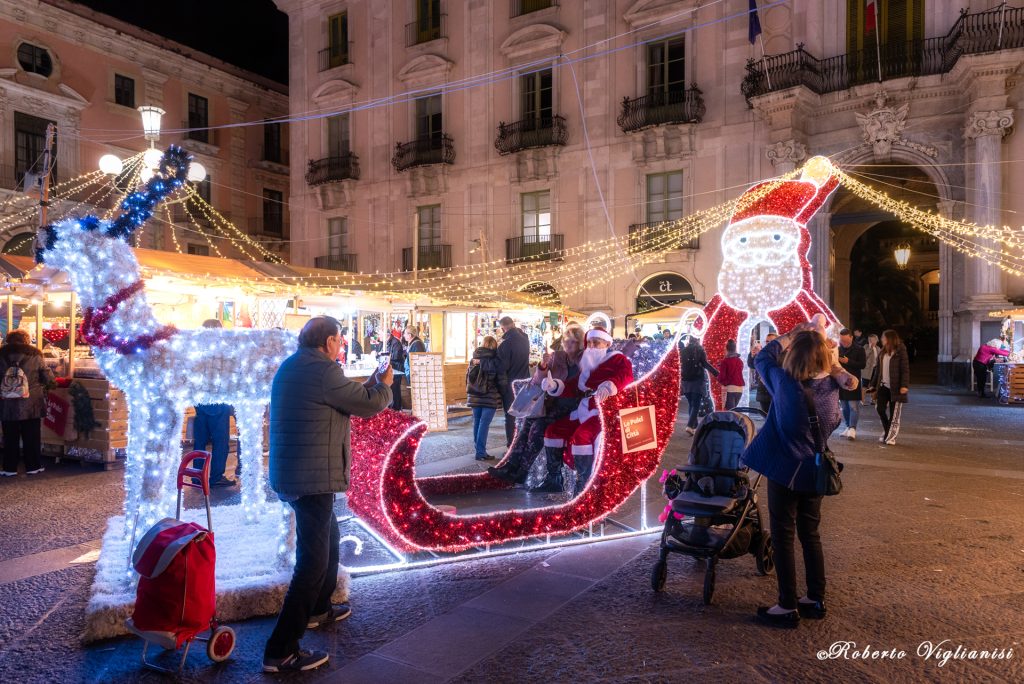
(176,598)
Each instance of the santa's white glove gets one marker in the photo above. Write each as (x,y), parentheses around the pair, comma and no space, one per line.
(603,391)
(548,384)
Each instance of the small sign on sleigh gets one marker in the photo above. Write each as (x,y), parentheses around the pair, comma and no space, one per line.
(639,429)
(57,413)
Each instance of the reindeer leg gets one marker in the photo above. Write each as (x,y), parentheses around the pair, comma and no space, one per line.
(154,451)
(249,419)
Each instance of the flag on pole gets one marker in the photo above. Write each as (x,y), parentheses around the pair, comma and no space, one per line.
(870,12)
(754,29)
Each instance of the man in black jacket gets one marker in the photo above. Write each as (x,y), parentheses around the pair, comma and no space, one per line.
(853,359)
(693,362)
(311,401)
(514,355)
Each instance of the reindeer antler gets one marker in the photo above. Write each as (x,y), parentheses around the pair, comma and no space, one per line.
(138,206)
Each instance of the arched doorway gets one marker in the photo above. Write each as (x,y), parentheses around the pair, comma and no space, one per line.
(661,290)
(20,245)
(544,291)
(870,291)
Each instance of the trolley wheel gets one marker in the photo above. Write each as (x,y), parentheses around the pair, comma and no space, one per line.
(709,581)
(659,574)
(765,558)
(221,643)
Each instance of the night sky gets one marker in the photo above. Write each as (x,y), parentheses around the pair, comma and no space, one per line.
(251,34)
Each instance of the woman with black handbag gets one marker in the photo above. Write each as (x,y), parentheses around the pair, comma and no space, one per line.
(529,439)
(804,385)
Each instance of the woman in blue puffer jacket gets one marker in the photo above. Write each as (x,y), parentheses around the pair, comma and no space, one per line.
(784,452)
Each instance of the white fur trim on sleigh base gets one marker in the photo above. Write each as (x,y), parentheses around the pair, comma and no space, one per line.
(250,582)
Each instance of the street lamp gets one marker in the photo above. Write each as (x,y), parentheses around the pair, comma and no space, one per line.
(151,122)
(902,255)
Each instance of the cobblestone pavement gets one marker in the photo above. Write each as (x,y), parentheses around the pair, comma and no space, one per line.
(925,544)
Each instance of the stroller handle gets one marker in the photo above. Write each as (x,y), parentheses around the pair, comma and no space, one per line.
(751,410)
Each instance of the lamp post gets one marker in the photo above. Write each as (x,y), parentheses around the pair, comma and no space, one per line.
(902,255)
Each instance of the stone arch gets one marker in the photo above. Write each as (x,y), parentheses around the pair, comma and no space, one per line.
(335,89)
(19,244)
(425,70)
(663,288)
(540,288)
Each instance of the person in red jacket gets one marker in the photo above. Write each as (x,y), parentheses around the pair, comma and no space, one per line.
(730,375)
(603,373)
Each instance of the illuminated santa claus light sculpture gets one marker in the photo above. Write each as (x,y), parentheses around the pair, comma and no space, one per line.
(765,275)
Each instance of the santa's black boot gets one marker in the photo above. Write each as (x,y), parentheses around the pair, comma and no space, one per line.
(553,481)
(584,466)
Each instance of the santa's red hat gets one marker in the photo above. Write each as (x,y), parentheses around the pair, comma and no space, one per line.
(793,199)
(599,334)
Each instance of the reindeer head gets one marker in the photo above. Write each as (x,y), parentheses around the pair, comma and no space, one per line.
(96,253)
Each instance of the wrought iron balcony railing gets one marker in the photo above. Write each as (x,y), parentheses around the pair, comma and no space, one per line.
(337,262)
(333,169)
(331,57)
(434,256)
(528,133)
(426,30)
(521,7)
(988,31)
(535,248)
(659,236)
(437,149)
(685,105)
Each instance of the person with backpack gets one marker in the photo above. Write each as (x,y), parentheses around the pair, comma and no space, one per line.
(22,403)
(483,396)
(693,363)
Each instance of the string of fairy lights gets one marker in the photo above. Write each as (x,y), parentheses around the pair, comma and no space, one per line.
(568,271)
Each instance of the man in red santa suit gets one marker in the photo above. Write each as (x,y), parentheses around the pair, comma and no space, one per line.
(603,373)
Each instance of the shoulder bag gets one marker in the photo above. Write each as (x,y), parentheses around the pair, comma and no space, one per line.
(827,480)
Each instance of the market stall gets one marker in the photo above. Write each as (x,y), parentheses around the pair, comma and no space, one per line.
(653,322)
(1008,374)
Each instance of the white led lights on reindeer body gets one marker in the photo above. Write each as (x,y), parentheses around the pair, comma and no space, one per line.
(163,371)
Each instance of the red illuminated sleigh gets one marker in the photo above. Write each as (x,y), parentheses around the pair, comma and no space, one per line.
(386,494)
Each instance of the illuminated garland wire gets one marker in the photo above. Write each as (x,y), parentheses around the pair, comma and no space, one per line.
(210,212)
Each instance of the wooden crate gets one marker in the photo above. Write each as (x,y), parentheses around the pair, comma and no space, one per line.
(1016,383)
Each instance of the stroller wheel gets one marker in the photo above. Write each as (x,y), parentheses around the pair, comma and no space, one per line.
(765,558)
(709,581)
(221,643)
(658,575)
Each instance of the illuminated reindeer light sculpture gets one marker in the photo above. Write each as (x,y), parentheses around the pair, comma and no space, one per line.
(163,370)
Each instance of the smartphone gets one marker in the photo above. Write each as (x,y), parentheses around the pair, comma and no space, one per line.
(383,360)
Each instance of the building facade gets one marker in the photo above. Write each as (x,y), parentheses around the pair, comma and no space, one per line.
(87,73)
(443,133)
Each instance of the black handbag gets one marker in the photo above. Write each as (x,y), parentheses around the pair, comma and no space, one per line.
(827,470)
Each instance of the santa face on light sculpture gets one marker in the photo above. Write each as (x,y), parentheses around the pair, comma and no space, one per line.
(765,274)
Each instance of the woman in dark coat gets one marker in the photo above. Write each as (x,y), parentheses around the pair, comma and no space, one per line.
(529,438)
(693,362)
(891,384)
(22,417)
(784,452)
(482,381)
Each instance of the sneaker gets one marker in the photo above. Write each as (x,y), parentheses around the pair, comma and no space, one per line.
(881,440)
(851,434)
(484,457)
(845,433)
(891,441)
(337,613)
(33,472)
(224,482)
(300,661)
(7,473)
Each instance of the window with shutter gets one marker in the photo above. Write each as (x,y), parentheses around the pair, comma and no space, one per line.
(537,96)
(338,140)
(337,39)
(428,119)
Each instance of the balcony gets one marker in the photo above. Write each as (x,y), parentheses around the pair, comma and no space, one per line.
(426,30)
(529,133)
(528,248)
(270,228)
(437,149)
(337,262)
(987,31)
(680,106)
(657,237)
(521,7)
(333,169)
(435,256)
(331,57)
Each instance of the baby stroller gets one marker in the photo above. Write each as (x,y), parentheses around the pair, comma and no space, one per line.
(176,595)
(712,511)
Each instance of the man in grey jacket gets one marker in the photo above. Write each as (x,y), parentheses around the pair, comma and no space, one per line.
(310,404)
